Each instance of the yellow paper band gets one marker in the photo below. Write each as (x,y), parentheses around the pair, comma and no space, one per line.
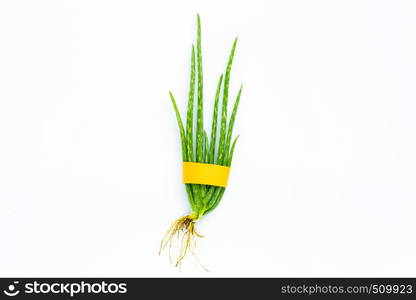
(205,174)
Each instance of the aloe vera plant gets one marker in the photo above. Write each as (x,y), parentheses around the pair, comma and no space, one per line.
(200,148)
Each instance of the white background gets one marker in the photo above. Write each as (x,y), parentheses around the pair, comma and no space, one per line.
(323,181)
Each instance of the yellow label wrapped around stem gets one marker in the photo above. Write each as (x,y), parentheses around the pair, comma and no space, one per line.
(208,174)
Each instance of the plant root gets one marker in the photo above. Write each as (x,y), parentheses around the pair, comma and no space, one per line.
(185,227)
